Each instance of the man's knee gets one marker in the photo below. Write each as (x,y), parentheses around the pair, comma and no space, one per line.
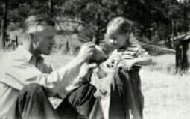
(82,95)
(30,96)
(33,89)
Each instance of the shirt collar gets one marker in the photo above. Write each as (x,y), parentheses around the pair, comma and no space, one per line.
(25,53)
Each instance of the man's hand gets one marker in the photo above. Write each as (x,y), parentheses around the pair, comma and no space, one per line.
(85,71)
(86,68)
(86,51)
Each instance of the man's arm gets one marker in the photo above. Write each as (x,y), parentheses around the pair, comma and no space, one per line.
(19,73)
(69,74)
(57,81)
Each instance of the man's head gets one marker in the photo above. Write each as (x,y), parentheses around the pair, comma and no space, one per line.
(118,31)
(41,32)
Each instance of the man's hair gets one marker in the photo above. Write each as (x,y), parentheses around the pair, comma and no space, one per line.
(38,25)
(38,20)
(119,25)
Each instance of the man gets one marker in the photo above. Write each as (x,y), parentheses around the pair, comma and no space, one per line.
(26,82)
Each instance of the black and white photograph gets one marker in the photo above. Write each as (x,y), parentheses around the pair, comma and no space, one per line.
(94,59)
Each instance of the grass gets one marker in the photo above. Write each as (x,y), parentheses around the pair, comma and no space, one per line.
(166,95)
(163,63)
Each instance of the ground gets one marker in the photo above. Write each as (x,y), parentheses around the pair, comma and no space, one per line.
(167,95)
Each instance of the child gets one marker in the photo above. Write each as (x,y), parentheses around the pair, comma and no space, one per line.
(117,79)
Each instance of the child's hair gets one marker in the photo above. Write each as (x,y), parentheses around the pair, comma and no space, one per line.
(119,25)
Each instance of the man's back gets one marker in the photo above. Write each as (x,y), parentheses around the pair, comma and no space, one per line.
(14,71)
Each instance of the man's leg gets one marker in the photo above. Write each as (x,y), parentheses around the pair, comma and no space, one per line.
(66,111)
(78,103)
(32,103)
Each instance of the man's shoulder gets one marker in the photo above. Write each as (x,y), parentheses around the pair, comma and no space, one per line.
(8,56)
(13,58)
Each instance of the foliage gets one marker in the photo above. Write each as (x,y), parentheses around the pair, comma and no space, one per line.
(97,13)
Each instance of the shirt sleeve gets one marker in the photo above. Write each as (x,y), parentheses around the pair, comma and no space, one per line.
(136,47)
(18,75)
(134,42)
(60,80)
(142,53)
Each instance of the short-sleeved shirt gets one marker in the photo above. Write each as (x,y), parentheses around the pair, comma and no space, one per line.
(102,76)
(16,72)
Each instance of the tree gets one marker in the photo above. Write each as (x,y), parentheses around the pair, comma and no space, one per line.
(145,13)
(98,13)
(4,23)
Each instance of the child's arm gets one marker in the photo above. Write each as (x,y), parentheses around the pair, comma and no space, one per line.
(140,58)
(142,61)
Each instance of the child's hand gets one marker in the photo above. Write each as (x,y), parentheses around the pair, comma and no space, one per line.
(140,52)
(127,57)
(126,64)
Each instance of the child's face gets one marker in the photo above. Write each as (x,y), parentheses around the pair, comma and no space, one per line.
(119,40)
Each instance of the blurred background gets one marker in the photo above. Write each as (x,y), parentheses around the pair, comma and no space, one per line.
(161,26)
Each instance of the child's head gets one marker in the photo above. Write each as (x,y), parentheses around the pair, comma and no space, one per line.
(118,31)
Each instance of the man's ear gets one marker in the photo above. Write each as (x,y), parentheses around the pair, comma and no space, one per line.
(32,36)
(35,40)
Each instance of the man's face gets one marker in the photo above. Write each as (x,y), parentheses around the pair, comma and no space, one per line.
(45,44)
(119,40)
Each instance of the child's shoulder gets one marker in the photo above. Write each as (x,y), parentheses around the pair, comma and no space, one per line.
(133,40)
(133,48)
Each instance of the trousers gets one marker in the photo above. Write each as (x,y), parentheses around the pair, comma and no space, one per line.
(33,103)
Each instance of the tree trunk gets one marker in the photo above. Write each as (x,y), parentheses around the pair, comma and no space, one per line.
(185,16)
(50,5)
(2,34)
(173,30)
(4,25)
